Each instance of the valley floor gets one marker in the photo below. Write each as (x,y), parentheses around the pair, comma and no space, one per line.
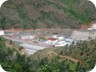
(33,40)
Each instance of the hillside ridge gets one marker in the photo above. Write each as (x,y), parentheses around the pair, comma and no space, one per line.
(34,14)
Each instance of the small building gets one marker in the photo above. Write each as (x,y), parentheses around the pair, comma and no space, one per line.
(51,41)
(65,42)
(2,33)
(61,38)
(69,40)
(61,43)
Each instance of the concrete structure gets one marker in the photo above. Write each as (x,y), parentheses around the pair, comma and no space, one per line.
(2,33)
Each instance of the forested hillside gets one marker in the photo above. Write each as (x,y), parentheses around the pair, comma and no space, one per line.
(76,58)
(46,14)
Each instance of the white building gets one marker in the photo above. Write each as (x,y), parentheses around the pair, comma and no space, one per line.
(69,40)
(51,42)
(2,33)
(61,43)
(61,38)
(64,42)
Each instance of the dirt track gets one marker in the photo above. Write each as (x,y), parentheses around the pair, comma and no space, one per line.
(67,57)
